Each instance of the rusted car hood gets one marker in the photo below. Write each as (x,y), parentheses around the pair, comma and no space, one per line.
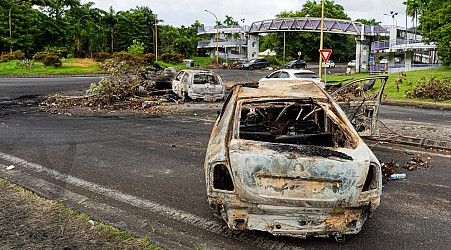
(274,174)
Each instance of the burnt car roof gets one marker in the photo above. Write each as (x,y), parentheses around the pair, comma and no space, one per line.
(293,88)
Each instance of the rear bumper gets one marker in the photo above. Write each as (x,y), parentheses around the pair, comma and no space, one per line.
(295,221)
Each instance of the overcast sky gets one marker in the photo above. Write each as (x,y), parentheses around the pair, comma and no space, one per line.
(185,12)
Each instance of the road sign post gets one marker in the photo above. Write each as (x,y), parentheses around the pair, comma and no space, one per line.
(325,55)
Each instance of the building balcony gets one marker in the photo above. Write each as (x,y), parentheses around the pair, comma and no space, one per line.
(223,43)
(222,29)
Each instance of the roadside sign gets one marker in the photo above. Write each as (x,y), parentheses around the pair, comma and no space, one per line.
(325,54)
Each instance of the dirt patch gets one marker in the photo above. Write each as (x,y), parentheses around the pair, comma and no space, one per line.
(28,221)
(81,63)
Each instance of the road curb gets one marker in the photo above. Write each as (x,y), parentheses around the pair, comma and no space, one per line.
(53,76)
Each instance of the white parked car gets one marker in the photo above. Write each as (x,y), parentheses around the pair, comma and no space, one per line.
(293,74)
(198,84)
(352,64)
(384,61)
(329,64)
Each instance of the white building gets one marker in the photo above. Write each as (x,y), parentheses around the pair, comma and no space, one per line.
(232,42)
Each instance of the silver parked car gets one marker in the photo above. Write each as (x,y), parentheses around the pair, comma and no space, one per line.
(198,84)
(284,158)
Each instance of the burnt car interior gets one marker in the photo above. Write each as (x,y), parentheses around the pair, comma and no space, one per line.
(204,78)
(301,122)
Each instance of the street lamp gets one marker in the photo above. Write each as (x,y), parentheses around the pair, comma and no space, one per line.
(78,35)
(393,14)
(217,35)
(10,30)
(156,38)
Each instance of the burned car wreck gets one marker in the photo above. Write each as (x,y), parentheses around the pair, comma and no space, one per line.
(284,158)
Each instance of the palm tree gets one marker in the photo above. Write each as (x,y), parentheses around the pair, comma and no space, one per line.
(111,19)
(413,8)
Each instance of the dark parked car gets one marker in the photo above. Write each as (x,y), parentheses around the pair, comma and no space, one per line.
(258,63)
(296,64)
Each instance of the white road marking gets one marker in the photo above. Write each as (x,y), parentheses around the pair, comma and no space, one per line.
(154,207)
(119,196)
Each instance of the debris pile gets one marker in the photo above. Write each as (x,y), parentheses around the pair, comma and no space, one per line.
(391,168)
(388,169)
(126,87)
(417,162)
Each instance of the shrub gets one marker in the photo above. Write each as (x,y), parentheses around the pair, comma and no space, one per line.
(136,49)
(59,51)
(25,64)
(101,56)
(173,58)
(12,56)
(52,60)
(435,89)
(39,56)
(123,56)
(273,60)
(148,59)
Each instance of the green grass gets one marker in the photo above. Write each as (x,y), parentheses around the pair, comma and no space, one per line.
(203,62)
(70,66)
(408,84)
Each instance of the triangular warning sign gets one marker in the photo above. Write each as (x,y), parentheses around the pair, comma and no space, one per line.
(325,54)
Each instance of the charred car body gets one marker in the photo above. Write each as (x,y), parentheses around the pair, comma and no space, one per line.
(283,158)
(198,84)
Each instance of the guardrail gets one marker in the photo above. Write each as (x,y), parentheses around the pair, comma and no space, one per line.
(384,68)
(221,43)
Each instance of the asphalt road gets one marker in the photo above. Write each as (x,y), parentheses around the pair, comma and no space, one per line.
(145,174)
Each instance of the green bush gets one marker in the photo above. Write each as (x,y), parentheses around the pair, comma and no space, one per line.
(147,59)
(123,56)
(273,60)
(136,49)
(12,56)
(52,60)
(59,51)
(101,56)
(39,56)
(173,58)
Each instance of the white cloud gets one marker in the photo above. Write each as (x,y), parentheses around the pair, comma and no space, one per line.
(185,12)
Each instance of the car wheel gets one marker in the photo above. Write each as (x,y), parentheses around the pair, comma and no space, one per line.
(251,67)
(185,97)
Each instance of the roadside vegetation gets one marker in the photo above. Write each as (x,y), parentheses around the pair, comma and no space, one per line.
(69,66)
(432,85)
(52,225)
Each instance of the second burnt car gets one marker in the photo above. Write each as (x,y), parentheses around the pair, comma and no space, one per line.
(284,158)
(198,85)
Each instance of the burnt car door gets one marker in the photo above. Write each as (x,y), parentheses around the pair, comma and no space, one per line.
(360,99)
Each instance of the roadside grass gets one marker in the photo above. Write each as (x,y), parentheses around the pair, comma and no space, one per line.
(408,83)
(50,219)
(203,63)
(70,66)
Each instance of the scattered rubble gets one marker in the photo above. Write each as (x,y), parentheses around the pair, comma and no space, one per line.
(392,167)
(127,87)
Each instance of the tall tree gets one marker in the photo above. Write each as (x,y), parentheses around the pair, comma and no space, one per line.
(436,20)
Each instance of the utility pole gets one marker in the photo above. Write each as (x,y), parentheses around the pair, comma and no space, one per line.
(10,28)
(217,36)
(156,38)
(321,39)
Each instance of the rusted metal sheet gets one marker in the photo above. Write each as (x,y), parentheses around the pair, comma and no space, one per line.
(360,99)
(284,158)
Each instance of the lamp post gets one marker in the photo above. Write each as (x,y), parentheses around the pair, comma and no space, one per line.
(393,14)
(10,29)
(217,35)
(156,38)
(321,39)
(78,36)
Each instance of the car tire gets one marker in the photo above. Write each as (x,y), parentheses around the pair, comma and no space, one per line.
(251,67)
(185,97)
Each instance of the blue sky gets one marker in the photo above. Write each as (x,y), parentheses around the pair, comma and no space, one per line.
(185,12)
